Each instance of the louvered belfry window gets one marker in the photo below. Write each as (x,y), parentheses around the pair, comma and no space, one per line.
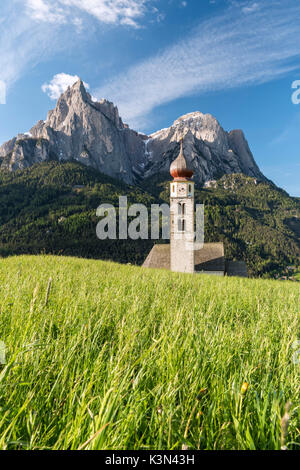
(181,208)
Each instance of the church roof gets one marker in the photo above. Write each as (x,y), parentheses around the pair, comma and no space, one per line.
(209,258)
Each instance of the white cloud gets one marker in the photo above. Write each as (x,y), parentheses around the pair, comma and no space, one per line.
(26,43)
(42,10)
(250,7)
(59,84)
(2,92)
(43,28)
(229,50)
(126,12)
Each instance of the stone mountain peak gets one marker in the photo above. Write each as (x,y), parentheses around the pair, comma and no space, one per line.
(92,132)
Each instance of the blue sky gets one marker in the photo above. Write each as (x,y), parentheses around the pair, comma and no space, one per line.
(159,59)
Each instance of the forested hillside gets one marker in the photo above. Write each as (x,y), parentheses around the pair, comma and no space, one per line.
(51,208)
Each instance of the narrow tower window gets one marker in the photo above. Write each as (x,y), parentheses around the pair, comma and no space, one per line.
(181,208)
(181,225)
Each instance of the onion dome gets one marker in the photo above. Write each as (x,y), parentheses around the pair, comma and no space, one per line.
(179,168)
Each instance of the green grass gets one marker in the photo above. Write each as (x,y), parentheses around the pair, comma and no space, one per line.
(144,359)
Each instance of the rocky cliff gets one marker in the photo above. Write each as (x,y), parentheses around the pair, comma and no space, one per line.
(209,150)
(93,133)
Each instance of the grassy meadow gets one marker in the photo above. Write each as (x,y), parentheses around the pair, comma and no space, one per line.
(108,356)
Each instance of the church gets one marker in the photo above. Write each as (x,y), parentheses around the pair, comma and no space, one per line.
(181,255)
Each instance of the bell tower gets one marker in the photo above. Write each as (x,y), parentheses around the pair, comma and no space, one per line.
(182,216)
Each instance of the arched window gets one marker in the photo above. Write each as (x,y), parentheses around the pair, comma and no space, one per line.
(181,208)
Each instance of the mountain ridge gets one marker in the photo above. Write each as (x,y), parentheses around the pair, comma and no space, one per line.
(92,132)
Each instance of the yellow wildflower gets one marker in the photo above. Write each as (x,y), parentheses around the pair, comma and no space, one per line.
(244,388)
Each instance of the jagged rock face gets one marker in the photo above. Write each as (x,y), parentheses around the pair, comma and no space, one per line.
(82,130)
(209,150)
(24,152)
(93,133)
